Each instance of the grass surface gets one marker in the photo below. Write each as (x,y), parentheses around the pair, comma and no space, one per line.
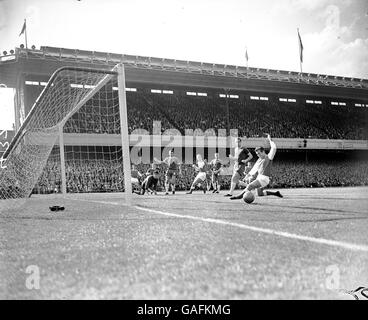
(100,248)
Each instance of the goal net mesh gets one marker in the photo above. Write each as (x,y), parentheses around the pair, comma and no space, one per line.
(85,103)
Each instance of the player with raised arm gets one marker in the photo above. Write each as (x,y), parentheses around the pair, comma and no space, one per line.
(173,169)
(216,167)
(201,177)
(259,175)
(241,157)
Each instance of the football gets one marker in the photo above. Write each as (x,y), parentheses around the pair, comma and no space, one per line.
(248,197)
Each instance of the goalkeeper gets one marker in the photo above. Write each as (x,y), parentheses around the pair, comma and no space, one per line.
(150,183)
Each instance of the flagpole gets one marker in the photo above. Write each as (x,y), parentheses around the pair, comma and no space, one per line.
(25,32)
(300,53)
(246,57)
(301,68)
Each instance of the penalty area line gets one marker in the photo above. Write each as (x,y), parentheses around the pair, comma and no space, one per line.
(333,243)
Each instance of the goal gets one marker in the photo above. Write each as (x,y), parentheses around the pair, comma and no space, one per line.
(76,129)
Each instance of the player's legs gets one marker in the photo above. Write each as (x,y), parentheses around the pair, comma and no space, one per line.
(260,192)
(193,185)
(243,183)
(256,184)
(264,181)
(259,184)
(271,193)
(144,186)
(136,186)
(197,179)
(234,181)
(173,183)
(207,180)
(251,186)
(218,184)
(154,185)
(204,183)
(151,184)
(215,183)
(167,182)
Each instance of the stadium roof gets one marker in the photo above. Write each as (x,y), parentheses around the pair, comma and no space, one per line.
(179,72)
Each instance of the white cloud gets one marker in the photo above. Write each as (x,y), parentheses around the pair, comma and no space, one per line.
(312,5)
(328,52)
(308,4)
(293,6)
(3,15)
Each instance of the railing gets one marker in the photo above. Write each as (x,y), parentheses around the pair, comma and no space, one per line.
(153,63)
(74,139)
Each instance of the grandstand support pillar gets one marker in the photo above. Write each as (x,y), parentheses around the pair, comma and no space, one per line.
(124,134)
(62,159)
(227,91)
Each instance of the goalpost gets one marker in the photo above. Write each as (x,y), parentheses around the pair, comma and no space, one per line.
(79,109)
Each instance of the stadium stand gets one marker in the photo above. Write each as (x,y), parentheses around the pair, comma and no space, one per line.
(251,117)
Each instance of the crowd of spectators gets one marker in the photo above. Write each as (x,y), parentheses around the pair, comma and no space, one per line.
(251,117)
(102,116)
(82,176)
(319,174)
(107,176)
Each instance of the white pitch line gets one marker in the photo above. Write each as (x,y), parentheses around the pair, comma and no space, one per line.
(334,243)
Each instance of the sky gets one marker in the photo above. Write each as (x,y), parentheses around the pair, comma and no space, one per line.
(334,32)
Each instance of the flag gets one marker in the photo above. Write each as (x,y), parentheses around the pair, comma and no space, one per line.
(23,28)
(246,54)
(300,47)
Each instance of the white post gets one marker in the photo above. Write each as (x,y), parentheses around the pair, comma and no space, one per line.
(62,159)
(124,134)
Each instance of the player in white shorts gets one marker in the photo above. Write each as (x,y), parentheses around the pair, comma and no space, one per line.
(201,177)
(259,174)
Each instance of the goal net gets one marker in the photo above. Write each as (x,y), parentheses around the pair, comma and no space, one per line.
(75,138)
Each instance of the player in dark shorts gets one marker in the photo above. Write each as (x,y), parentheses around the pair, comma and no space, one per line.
(247,177)
(173,169)
(150,183)
(241,156)
(215,167)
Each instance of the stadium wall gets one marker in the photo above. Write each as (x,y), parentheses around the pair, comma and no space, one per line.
(71,139)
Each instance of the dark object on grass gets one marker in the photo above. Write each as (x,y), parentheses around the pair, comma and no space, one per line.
(56,208)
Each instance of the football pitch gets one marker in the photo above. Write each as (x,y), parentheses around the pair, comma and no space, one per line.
(311,244)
